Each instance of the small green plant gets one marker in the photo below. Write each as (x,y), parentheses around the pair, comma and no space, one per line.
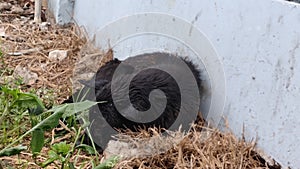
(109,163)
(16,108)
(58,152)
(30,108)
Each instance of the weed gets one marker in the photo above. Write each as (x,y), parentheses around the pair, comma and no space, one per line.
(59,151)
(14,112)
(19,110)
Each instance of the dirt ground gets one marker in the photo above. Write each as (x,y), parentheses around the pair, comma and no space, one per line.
(26,47)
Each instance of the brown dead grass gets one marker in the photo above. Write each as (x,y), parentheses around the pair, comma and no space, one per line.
(206,149)
(27,45)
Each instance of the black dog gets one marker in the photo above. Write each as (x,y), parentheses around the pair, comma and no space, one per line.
(140,88)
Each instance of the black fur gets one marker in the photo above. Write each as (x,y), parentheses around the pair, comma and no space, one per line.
(140,87)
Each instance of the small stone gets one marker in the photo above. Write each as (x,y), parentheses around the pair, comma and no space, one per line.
(5,6)
(2,32)
(24,19)
(17,10)
(27,76)
(129,147)
(58,55)
(44,26)
(6,79)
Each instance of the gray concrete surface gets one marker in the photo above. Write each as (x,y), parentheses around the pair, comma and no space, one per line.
(62,10)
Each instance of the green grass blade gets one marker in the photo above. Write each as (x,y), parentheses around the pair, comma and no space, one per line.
(12,151)
(37,141)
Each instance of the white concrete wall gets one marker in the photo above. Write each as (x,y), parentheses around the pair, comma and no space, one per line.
(258,46)
(61,10)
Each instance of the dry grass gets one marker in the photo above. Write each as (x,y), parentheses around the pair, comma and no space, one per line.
(205,148)
(36,44)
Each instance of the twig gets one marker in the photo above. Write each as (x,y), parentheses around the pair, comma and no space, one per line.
(59,74)
(24,52)
(66,128)
(15,14)
(61,138)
